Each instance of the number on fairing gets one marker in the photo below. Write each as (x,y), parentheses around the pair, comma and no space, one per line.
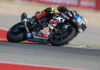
(60,19)
(79,20)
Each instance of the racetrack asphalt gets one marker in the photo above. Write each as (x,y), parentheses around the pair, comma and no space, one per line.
(47,55)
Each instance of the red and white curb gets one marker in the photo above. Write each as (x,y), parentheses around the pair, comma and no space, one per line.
(3,33)
(13,66)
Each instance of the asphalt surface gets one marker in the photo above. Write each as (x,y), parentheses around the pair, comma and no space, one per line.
(47,55)
(36,54)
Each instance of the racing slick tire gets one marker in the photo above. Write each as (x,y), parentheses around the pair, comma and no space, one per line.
(16,34)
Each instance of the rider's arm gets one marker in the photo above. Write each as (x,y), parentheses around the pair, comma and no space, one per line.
(71,15)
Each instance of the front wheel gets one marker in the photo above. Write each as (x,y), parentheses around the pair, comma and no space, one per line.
(16,33)
(58,39)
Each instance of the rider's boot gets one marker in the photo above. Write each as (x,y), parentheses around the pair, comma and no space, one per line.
(29,35)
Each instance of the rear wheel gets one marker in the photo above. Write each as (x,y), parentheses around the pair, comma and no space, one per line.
(59,38)
(16,33)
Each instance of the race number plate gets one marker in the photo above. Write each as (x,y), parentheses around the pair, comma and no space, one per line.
(79,20)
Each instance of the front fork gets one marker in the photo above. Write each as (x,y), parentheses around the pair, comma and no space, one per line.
(25,20)
(25,23)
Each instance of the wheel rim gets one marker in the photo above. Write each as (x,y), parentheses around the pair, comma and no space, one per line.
(60,35)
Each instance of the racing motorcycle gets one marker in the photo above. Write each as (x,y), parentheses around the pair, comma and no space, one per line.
(57,34)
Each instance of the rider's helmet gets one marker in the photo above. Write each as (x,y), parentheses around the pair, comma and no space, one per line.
(62,9)
(50,10)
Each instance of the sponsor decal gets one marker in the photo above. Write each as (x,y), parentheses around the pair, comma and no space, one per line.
(88,3)
(72,2)
(94,4)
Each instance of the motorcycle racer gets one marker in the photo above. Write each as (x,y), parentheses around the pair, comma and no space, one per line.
(62,26)
(49,12)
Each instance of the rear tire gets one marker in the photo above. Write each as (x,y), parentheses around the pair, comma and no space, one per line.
(72,33)
(15,36)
